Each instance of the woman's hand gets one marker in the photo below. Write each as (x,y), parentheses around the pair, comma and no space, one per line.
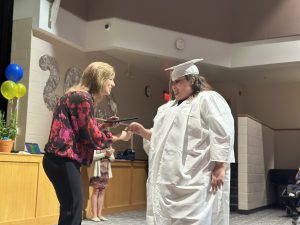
(125,135)
(217,176)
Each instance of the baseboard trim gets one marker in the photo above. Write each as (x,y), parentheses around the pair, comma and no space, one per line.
(250,211)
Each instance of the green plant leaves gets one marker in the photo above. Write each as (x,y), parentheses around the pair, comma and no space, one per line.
(8,130)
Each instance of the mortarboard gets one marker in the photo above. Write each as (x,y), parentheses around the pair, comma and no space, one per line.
(186,68)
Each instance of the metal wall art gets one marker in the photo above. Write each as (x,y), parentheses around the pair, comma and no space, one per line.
(106,108)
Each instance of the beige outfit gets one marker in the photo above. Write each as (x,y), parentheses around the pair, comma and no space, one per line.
(96,165)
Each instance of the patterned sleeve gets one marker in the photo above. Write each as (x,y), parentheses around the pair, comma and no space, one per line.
(82,113)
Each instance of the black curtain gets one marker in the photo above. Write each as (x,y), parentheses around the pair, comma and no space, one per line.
(6,22)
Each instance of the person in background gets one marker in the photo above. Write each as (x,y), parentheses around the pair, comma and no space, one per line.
(101,172)
(293,188)
(74,136)
(190,148)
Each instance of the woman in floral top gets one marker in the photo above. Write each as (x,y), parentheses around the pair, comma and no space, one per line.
(74,136)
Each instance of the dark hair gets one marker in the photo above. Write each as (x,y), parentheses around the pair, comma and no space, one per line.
(198,83)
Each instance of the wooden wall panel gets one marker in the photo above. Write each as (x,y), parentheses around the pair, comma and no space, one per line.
(18,190)
(47,204)
(119,191)
(26,195)
(139,185)
(126,190)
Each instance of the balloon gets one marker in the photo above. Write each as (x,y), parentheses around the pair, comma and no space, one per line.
(14,72)
(8,89)
(21,90)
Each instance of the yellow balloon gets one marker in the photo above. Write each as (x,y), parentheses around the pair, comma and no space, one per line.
(8,89)
(21,90)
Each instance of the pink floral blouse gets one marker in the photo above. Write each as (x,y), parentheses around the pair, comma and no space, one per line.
(75,133)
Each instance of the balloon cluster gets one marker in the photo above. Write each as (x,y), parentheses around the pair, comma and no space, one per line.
(11,88)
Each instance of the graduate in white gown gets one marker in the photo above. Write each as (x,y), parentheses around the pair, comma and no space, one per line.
(190,148)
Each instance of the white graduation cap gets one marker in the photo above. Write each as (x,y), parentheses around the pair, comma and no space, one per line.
(186,68)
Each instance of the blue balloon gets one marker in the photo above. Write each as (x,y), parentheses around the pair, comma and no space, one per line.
(14,72)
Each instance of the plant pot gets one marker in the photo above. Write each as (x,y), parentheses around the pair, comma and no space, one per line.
(6,145)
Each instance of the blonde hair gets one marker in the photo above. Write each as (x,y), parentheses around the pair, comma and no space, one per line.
(93,78)
(95,75)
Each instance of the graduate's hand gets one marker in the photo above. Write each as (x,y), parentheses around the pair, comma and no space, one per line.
(217,176)
(136,128)
(139,129)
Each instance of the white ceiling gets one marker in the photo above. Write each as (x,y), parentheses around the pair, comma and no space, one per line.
(155,65)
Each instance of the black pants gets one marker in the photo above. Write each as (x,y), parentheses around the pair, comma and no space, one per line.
(66,179)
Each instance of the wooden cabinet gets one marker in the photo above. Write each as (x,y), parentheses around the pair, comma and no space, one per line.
(27,197)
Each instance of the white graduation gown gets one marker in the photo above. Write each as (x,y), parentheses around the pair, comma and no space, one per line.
(186,141)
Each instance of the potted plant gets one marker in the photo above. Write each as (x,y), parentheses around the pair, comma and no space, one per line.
(8,132)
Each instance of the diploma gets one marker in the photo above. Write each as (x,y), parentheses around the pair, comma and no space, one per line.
(121,120)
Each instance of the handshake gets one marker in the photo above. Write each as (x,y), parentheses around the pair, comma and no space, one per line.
(125,135)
